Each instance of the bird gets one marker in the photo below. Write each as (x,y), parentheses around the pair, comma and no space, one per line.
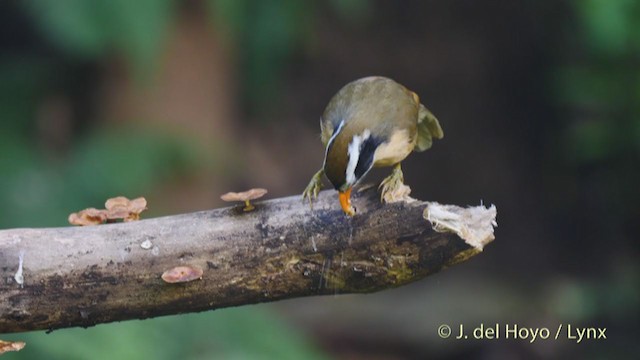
(371,122)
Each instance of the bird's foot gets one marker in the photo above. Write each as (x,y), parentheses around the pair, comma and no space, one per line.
(393,188)
(312,190)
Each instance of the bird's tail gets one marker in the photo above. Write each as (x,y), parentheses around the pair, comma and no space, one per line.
(428,129)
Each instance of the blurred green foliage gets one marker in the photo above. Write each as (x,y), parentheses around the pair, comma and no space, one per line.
(611,25)
(248,332)
(601,82)
(616,295)
(266,33)
(597,86)
(92,29)
(39,192)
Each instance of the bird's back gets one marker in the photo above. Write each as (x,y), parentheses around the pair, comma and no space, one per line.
(375,103)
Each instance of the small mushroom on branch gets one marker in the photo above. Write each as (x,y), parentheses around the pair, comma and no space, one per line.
(181,274)
(116,208)
(245,196)
(90,216)
(122,208)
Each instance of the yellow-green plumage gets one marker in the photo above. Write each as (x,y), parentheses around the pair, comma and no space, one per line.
(428,129)
(385,108)
(373,121)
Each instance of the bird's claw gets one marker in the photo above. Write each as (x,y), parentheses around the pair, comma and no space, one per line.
(313,189)
(393,188)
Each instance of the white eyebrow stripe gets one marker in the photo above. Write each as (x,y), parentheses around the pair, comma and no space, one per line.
(354,155)
(333,137)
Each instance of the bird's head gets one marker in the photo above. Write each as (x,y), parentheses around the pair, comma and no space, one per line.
(349,156)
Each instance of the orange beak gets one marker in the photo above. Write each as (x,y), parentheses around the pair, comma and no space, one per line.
(345,202)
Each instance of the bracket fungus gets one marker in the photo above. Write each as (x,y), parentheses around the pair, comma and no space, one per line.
(90,216)
(245,196)
(116,208)
(122,208)
(181,274)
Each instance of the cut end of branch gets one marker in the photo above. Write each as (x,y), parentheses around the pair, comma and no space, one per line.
(473,224)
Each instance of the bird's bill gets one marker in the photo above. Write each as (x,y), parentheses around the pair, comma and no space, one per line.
(345,202)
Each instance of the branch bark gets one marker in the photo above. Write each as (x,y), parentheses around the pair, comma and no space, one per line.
(83,276)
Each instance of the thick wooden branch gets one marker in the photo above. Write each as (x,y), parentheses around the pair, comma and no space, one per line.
(83,276)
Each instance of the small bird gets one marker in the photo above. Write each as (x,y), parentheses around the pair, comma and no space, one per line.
(373,121)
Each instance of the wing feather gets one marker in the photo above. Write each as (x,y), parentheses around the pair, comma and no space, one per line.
(428,129)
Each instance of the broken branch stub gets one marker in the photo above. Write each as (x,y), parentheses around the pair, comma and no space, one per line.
(82,276)
(473,224)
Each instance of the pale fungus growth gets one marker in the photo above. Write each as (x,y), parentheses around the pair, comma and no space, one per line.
(181,274)
(116,208)
(245,196)
(90,216)
(6,346)
(122,208)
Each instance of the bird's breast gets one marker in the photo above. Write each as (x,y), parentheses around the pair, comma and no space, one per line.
(391,152)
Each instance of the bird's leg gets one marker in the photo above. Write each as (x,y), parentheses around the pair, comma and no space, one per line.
(393,188)
(312,190)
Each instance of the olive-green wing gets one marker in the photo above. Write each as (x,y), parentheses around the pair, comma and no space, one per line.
(428,129)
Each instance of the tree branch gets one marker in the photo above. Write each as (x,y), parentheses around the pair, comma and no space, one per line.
(83,276)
